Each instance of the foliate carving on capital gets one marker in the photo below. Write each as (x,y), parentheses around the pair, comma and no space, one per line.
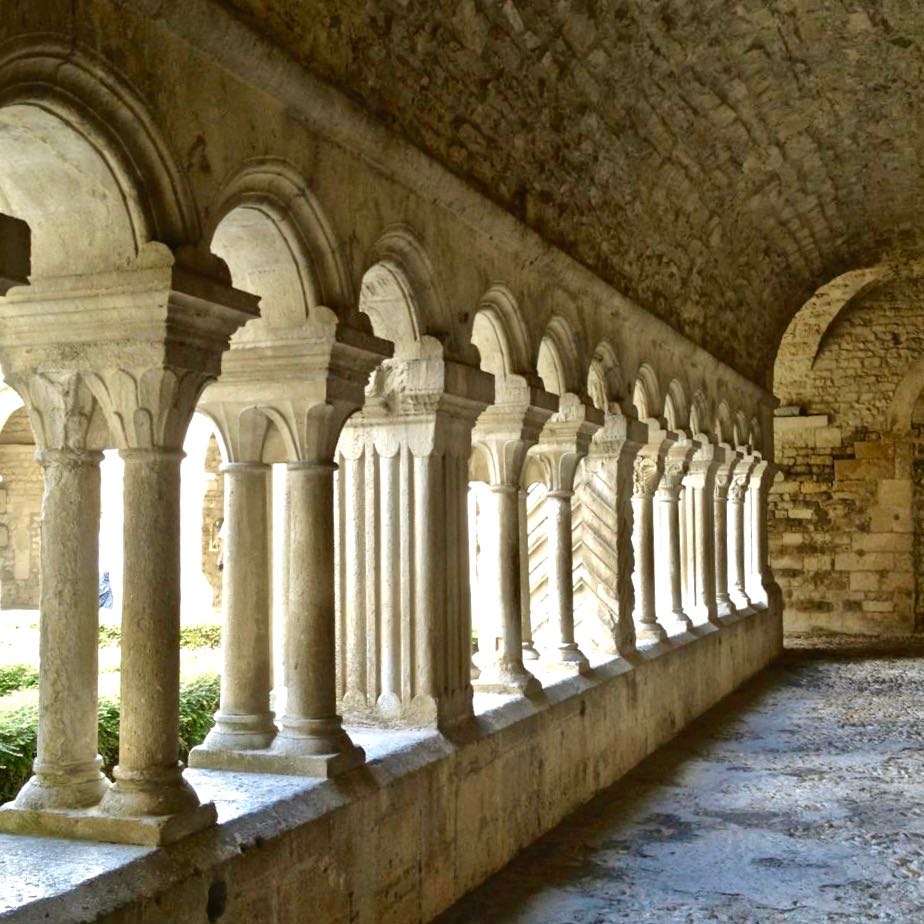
(737,488)
(672,479)
(150,407)
(722,480)
(645,477)
(60,408)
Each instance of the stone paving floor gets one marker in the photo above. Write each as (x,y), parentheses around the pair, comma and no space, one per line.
(799,799)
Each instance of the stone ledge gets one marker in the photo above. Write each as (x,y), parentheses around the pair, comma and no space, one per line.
(415,813)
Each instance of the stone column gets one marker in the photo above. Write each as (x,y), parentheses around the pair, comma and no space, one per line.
(501,439)
(647,478)
(67,765)
(560,586)
(761,586)
(724,607)
(564,441)
(670,610)
(700,483)
(526,620)
(244,720)
(148,777)
(310,727)
(737,491)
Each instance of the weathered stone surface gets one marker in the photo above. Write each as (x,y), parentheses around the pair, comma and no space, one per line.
(796,800)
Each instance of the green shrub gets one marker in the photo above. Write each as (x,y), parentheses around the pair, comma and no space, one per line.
(17,677)
(110,635)
(198,703)
(203,636)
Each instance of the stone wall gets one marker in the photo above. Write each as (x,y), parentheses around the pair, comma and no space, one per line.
(842,527)
(430,817)
(20,515)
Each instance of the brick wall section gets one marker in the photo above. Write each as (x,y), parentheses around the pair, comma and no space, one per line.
(842,526)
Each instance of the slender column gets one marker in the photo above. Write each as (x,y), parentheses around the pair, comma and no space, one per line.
(760,581)
(500,585)
(736,495)
(148,778)
(389,702)
(244,720)
(311,727)
(647,628)
(560,581)
(700,484)
(671,612)
(352,544)
(526,621)
(67,766)
(724,605)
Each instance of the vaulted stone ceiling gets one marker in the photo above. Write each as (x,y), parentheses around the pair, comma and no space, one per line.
(715,160)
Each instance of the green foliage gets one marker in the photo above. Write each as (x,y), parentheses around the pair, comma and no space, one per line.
(17,677)
(17,749)
(110,635)
(198,703)
(206,635)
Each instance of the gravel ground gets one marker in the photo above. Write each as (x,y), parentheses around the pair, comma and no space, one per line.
(798,799)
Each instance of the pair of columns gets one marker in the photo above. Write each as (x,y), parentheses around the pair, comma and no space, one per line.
(142,397)
(303,389)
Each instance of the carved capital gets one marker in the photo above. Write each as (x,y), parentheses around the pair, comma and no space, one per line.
(646,475)
(672,479)
(60,407)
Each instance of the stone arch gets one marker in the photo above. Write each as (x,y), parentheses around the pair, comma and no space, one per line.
(741,431)
(398,265)
(605,385)
(699,415)
(500,334)
(274,211)
(802,340)
(103,162)
(723,424)
(558,361)
(901,410)
(646,394)
(676,407)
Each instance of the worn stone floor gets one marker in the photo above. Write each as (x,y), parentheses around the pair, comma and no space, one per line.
(798,799)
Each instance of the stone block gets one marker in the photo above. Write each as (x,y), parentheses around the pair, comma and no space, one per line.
(865,580)
(878,606)
(875,450)
(882,542)
(864,561)
(828,437)
(863,469)
(895,492)
(818,562)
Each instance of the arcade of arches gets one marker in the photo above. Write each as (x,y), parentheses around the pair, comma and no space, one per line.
(524,445)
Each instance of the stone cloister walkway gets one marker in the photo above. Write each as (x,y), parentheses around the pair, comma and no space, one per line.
(798,799)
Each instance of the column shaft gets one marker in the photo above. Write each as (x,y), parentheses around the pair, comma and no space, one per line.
(311,726)
(389,701)
(704,554)
(67,766)
(526,621)
(560,578)
(148,778)
(738,594)
(244,719)
(646,623)
(720,524)
(672,612)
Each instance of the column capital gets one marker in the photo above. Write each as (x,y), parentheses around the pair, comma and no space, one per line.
(145,340)
(740,478)
(565,440)
(505,431)
(646,476)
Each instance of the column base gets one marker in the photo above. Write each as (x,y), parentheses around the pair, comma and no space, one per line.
(704,616)
(647,633)
(675,623)
(70,788)
(269,760)
(724,608)
(743,605)
(240,732)
(502,677)
(566,659)
(144,794)
(95,825)
(529,652)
